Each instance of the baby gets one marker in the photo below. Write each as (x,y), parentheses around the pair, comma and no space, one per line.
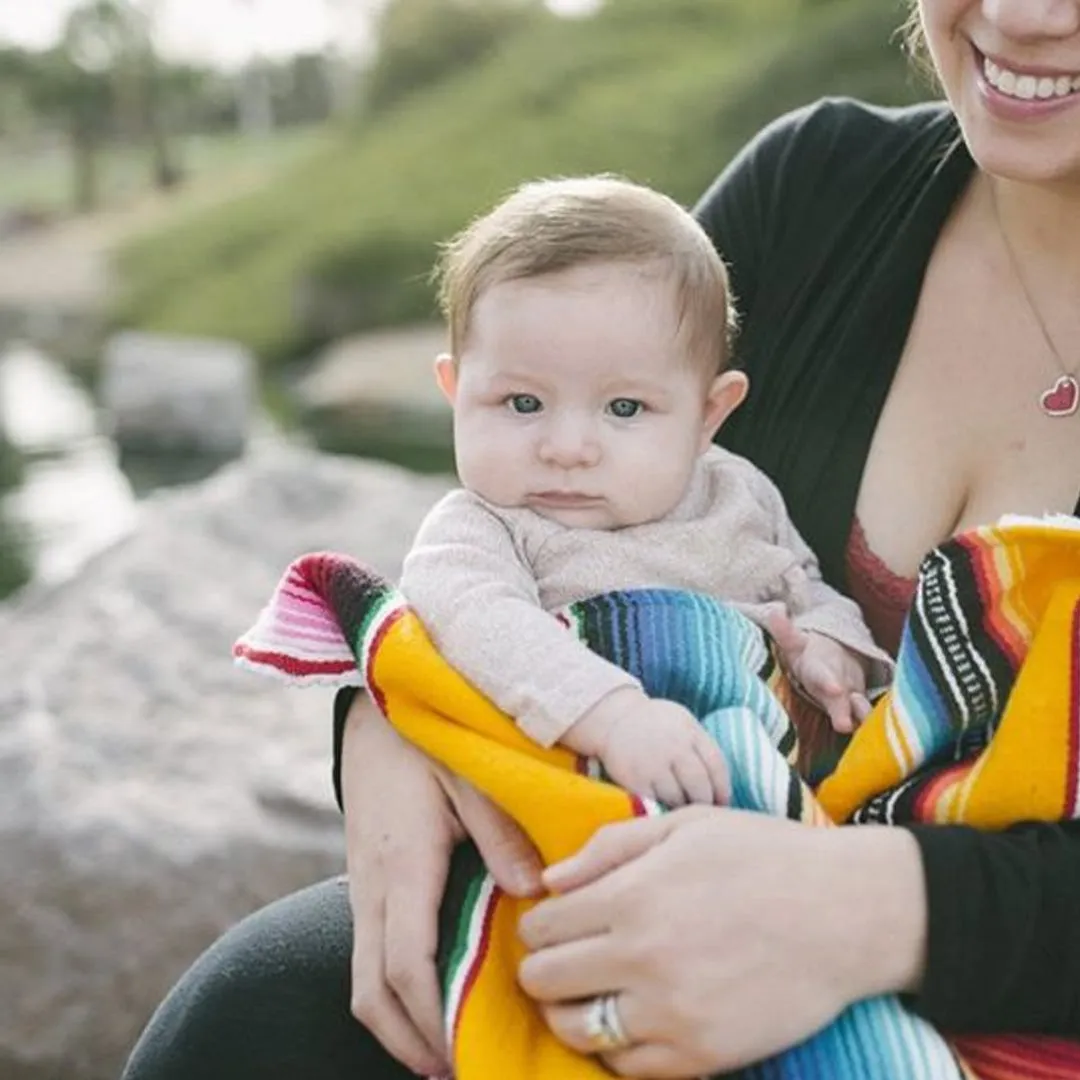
(590,329)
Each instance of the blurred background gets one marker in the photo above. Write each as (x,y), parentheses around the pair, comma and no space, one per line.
(207,199)
(217,223)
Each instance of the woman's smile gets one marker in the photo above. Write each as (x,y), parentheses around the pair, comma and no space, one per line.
(1015,92)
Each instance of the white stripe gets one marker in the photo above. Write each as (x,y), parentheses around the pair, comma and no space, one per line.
(393,602)
(473,937)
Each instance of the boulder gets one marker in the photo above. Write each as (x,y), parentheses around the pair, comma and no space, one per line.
(375,394)
(150,792)
(163,394)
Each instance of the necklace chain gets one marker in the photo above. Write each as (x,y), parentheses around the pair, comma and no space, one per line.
(1030,300)
(1063,397)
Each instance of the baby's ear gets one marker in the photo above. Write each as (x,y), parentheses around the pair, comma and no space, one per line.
(725,395)
(446,376)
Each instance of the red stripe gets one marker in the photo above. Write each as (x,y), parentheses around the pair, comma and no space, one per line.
(991,589)
(1020,1057)
(928,793)
(291,665)
(1074,713)
(376,641)
(481,953)
(308,597)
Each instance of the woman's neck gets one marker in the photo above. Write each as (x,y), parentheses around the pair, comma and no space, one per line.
(1041,224)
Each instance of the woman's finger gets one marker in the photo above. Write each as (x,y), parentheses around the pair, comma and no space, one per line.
(569,1022)
(582,913)
(412,917)
(509,857)
(389,848)
(375,1005)
(576,969)
(416,880)
(609,848)
(655,1060)
(397,1033)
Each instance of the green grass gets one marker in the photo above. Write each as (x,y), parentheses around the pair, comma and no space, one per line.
(41,178)
(661,92)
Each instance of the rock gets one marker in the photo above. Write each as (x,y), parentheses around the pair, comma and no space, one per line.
(179,395)
(150,792)
(21,220)
(375,394)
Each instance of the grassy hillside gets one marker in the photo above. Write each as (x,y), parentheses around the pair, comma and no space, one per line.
(663,91)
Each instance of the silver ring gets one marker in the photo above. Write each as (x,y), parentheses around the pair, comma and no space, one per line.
(603,1024)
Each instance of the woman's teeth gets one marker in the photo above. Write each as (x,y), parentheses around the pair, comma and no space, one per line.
(1029,87)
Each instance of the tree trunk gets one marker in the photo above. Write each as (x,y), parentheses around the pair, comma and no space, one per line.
(165,169)
(84,147)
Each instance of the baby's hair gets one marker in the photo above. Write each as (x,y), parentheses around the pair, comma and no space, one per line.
(550,225)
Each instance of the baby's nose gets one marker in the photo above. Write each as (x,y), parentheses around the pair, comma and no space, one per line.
(569,446)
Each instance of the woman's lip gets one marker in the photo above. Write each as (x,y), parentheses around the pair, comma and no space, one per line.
(1003,107)
(1036,71)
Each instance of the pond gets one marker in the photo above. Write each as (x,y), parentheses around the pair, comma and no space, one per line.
(76,495)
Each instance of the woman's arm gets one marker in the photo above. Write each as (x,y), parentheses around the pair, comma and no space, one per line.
(1004,939)
(403,817)
(1004,934)
(801,923)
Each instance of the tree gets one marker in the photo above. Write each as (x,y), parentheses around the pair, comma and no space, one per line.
(80,100)
(103,79)
(15,67)
(419,42)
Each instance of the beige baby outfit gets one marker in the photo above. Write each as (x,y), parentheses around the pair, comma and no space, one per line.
(485,579)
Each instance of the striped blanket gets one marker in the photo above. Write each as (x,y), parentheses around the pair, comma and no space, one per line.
(981,726)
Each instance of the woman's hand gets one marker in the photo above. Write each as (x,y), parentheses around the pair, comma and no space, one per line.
(403,816)
(725,936)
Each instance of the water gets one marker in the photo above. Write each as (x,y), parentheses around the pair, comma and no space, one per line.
(75,499)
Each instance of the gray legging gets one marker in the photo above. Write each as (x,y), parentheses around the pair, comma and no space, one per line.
(269,1000)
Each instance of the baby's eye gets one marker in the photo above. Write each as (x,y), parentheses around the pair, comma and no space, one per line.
(524,404)
(625,408)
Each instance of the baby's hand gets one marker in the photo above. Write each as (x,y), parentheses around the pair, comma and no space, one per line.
(653,748)
(832,675)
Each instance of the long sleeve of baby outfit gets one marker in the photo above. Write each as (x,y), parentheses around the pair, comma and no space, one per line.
(478,600)
(813,605)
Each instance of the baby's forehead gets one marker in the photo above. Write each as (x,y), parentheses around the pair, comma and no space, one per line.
(595,372)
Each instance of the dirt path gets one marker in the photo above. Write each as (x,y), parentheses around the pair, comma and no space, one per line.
(66,266)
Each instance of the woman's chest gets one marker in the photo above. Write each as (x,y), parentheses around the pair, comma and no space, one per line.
(963,437)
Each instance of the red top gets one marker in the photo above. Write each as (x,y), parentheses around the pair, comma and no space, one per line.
(883,595)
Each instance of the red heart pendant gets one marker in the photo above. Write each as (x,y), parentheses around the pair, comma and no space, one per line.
(1063,398)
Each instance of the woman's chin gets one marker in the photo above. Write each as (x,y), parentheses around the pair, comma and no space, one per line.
(1024,156)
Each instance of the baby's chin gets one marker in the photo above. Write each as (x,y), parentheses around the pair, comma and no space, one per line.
(596,520)
(598,516)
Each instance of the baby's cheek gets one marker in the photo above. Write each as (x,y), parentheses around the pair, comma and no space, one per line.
(495,466)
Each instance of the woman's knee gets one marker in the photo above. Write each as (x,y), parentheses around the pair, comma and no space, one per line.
(269,999)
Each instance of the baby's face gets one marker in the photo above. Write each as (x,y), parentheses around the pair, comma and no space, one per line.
(574,397)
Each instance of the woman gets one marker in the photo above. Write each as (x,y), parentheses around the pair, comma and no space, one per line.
(908,282)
